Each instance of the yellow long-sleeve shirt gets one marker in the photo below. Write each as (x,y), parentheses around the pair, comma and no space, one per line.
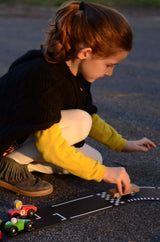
(105,134)
(54,149)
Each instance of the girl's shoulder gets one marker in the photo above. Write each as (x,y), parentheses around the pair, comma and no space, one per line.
(26,58)
(34,66)
(32,72)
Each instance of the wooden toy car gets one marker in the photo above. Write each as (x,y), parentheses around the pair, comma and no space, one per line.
(14,226)
(0,229)
(114,192)
(20,210)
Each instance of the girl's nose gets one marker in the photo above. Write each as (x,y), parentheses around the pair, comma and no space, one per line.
(109,71)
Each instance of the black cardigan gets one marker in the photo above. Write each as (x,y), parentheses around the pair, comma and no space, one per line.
(32,94)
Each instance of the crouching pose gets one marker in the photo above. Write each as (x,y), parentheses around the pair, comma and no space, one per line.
(46,109)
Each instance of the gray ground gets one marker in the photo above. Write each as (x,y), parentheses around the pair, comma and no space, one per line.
(129,101)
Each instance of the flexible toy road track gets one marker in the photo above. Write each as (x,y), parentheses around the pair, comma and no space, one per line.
(89,204)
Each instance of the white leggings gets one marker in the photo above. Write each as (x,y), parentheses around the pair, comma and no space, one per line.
(75,125)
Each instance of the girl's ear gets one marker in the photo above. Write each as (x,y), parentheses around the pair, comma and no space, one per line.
(84,53)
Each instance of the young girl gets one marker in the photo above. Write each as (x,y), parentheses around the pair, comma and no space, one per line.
(46,106)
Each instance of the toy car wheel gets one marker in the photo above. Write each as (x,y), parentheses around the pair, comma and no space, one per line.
(30,213)
(29,226)
(3,223)
(119,196)
(13,231)
(133,193)
(17,215)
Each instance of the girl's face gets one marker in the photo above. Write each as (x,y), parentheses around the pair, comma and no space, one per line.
(93,68)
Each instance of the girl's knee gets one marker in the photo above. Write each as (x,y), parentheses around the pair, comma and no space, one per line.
(100,158)
(75,125)
(84,122)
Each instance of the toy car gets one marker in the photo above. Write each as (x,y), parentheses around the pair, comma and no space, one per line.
(114,192)
(0,229)
(15,225)
(20,210)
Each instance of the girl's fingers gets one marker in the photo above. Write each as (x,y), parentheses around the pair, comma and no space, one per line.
(153,145)
(148,146)
(123,189)
(124,185)
(146,142)
(119,187)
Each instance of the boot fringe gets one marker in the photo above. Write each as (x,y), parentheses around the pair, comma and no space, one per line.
(10,170)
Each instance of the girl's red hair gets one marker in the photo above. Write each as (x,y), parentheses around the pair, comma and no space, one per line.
(101,28)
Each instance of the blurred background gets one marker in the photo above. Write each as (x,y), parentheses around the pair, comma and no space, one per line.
(112,3)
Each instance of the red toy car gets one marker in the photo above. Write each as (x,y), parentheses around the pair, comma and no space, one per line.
(20,210)
(0,229)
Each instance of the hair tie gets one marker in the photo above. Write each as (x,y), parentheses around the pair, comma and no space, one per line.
(81,6)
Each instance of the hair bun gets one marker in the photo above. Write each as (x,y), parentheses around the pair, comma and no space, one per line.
(81,6)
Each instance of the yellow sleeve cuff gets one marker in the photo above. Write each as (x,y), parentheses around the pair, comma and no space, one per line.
(105,134)
(54,149)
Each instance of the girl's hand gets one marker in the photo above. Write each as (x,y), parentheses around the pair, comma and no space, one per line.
(143,145)
(118,176)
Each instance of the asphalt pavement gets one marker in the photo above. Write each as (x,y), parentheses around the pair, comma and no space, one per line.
(129,101)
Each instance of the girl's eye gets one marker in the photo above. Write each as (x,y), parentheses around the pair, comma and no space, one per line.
(108,66)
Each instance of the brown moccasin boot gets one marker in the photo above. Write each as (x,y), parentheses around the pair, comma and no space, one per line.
(16,177)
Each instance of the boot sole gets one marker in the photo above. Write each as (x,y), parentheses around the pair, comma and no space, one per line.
(25,193)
